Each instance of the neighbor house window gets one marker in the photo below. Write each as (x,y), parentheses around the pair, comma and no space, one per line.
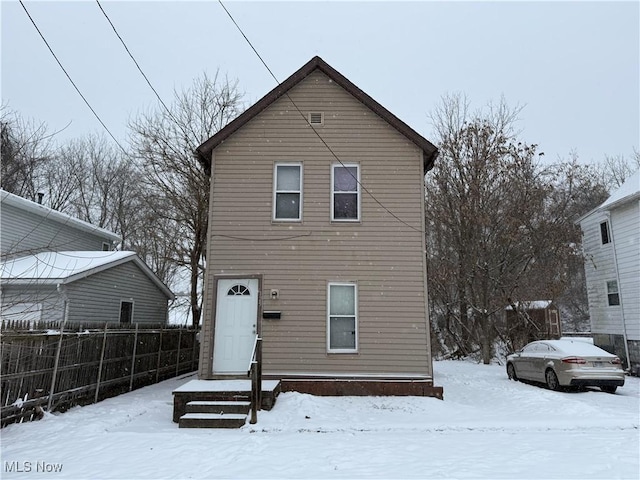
(106,247)
(605,234)
(287,192)
(126,311)
(342,331)
(613,296)
(345,192)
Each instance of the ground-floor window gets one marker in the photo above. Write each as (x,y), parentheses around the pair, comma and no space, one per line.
(126,311)
(342,328)
(613,297)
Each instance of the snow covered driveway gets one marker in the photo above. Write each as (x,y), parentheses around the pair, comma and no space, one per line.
(487,427)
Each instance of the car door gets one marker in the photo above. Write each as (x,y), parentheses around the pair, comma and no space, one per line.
(523,362)
(539,362)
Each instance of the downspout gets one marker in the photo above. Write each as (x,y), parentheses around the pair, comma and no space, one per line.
(615,262)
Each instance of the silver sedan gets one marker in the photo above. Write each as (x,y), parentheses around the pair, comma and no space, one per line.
(566,363)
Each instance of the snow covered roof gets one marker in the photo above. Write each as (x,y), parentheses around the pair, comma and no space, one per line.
(628,191)
(531,305)
(33,207)
(66,267)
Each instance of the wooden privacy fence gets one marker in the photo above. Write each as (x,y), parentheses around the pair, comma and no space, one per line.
(56,369)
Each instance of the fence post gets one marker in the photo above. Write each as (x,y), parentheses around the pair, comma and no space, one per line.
(55,370)
(194,345)
(159,355)
(104,344)
(133,358)
(178,356)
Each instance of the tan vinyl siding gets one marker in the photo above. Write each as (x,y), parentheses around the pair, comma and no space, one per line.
(383,256)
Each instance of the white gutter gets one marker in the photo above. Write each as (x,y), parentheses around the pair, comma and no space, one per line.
(615,262)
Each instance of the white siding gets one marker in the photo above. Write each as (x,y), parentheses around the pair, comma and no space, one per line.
(600,267)
(25,233)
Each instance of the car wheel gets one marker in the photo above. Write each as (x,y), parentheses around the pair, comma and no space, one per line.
(511,372)
(609,388)
(552,380)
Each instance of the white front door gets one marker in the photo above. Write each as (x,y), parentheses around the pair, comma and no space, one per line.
(236,323)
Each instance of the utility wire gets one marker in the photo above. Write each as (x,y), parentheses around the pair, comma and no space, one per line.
(69,77)
(314,130)
(136,63)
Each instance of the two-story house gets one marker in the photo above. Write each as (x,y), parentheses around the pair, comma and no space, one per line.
(611,242)
(317,242)
(55,268)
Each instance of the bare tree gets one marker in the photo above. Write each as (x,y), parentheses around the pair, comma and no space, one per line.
(615,169)
(165,142)
(499,226)
(26,147)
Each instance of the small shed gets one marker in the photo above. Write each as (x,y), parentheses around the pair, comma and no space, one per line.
(532,320)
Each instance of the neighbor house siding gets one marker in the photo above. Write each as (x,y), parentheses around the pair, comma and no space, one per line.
(97,298)
(25,233)
(600,266)
(625,222)
(52,303)
(382,255)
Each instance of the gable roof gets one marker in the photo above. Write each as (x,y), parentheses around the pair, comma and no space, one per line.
(53,268)
(203,152)
(628,191)
(46,212)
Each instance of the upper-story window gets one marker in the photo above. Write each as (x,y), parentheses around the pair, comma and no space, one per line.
(345,192)
(605,233)
(106,247)
(287,192)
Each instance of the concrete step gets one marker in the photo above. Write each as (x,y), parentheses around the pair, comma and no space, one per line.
(205,406)
(212,420)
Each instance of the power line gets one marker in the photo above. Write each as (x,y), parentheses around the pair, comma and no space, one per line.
(314,130)
(135,61)
(70,80)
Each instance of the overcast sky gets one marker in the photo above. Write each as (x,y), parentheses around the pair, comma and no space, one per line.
(575,66)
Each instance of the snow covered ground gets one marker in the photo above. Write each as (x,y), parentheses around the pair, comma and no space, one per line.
(487,427)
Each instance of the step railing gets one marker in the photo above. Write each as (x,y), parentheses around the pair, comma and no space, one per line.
(255,372)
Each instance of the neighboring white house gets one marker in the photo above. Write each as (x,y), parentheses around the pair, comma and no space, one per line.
(611,242)
(54,267)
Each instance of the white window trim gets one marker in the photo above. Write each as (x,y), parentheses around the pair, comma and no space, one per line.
(133,305)
(355,292)
(607,293)
(346,220)
(276,191)
(608,226)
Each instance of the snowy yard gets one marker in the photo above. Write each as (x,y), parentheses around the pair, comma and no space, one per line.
(487,427)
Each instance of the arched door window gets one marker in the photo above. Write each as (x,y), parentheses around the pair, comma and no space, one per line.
(238,290)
